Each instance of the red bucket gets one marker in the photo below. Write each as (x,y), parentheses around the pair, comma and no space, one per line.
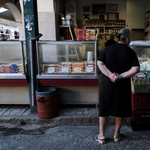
(47,105)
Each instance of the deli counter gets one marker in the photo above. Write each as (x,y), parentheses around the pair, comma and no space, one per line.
(13,83)
(68,61)
(70,66)
(142,49)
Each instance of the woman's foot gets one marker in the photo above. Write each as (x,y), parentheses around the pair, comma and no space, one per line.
(118,137)
(101,139)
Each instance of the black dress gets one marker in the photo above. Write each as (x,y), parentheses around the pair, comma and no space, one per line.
(115,98)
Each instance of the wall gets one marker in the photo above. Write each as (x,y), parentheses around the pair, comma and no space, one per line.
(47,19)
(121,7)
(148,5)
(136,14)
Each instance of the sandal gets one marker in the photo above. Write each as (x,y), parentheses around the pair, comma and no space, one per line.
(119,138)
(100,141)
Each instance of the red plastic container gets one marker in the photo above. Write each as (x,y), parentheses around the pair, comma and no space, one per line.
(137,114)
(140,100)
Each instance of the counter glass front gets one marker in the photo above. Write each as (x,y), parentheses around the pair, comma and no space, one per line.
(142,50)
(11,60)
(72,59)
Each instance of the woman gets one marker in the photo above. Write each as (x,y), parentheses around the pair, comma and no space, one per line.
(117,63)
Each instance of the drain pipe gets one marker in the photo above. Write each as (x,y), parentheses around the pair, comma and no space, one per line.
(33,73)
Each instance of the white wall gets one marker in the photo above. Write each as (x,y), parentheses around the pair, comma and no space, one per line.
(47,19)
(136,14)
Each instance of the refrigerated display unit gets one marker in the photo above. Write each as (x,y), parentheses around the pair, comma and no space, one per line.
(71,67)
(13,81)
(141,101)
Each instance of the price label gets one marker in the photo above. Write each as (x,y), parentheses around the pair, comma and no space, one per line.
(89,69)
(51,70)
(65,69)
(77,69)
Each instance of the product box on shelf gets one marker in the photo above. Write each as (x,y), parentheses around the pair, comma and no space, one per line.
(139,83)
(86,34)
(139,88)
(68,16)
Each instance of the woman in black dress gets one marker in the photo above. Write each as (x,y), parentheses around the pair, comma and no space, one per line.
(117,63)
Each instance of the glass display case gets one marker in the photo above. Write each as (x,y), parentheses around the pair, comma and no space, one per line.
(142,49)
(67,60)
(12,64)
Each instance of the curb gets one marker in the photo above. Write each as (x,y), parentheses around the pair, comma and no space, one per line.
(33,119)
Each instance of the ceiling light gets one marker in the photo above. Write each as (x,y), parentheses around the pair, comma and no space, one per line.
(2,9)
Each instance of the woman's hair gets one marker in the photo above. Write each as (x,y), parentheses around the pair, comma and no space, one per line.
(124,34)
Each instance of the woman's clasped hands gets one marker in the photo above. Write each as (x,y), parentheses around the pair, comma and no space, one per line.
(114,77)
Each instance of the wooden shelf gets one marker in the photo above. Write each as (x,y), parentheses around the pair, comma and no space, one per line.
(105,26)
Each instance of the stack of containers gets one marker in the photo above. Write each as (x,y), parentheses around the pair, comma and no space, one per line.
(81,34)
(1,69)
(140,99)
(86,34)
(6,68)
(89,67)
(78,67)
(65,67)
(69,20)
(13,68)
(51,68)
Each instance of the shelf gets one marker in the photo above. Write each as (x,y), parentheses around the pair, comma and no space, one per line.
(67,76)
(65,26)
(107,33)
(12,76)
(65,55)
(114,26)
(106,26)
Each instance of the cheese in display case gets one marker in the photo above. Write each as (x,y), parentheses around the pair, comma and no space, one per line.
(51,68)
(78,67)
(89,67)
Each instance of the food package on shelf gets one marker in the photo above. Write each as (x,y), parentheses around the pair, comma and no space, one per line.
(66,64)
(77,64)
(139,83)
(86,34)
(81,32)
(81,38)
(88,63)
(13,68)
(92,38)
(20,68)
(51,68)
(6,68)
(65,69)
(78,67)
(1,69)
(89,67)
(91,32)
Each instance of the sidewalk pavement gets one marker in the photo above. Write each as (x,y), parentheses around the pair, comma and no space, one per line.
(20,114)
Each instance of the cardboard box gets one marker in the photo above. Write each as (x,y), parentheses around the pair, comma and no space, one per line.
(139,88)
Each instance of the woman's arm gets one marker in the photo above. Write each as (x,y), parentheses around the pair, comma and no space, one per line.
(130,73)
(106,71)
(103,68)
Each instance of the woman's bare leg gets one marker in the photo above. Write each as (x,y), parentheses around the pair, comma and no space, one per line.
(118,124)
(102,124)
